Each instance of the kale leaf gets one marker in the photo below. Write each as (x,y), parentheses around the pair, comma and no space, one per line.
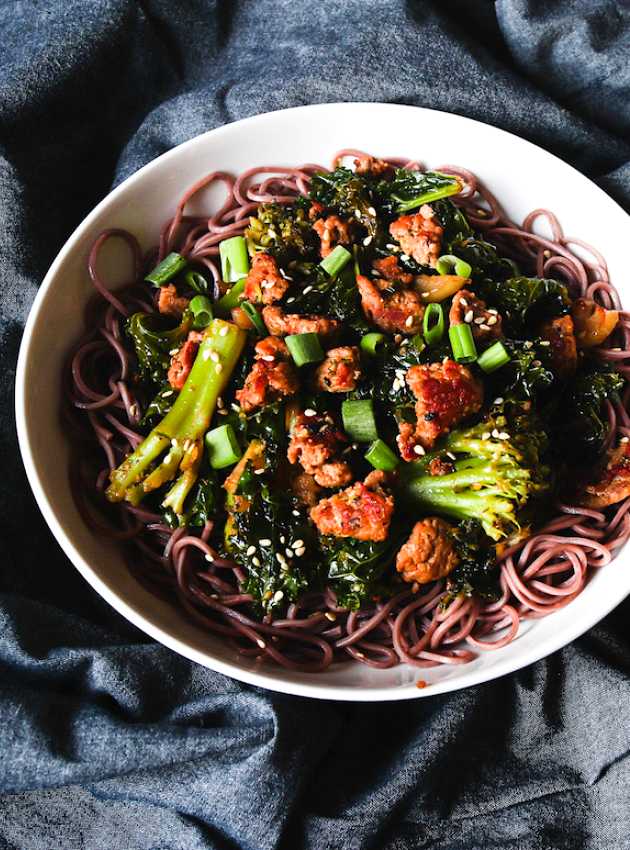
(153,336)
(349,194)
(580,424)
(283,230)
(477,571)
(408,190)
(525,301)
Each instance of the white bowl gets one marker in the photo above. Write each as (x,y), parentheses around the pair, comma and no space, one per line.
(523,177)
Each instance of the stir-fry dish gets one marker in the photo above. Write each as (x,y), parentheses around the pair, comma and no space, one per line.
(356,414)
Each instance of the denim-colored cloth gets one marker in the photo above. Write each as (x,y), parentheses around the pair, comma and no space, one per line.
(111,742)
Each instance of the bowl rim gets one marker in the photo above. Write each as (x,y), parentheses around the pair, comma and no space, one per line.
(349,693)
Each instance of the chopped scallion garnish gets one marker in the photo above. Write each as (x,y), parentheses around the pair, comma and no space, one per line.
(231,299)
(358,420)
(462,343)
(381,456)
(336,260)
(494,357)
(234,259)
(169,268)
(305,348)
(449,264)
(196,282)
(201,308)
(222,447)
(372,343)
(433,323)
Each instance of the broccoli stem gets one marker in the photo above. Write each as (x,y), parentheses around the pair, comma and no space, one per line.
(184,425)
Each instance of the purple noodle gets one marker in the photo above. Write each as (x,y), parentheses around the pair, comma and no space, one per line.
(538,575)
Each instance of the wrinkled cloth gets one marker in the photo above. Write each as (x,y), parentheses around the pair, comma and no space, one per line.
(109,741)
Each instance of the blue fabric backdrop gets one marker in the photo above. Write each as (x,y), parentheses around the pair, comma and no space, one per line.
(109,742)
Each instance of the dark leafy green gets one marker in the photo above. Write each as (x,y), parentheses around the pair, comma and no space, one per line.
(283,230)
(337,297)
(477,571)
(580,424)
(482,257)
(528,373)
(267,424)
(349,194)
(273,578)
(408,190)
(525,301)
(153,336)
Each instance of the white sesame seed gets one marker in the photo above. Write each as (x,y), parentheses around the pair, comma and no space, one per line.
(207,354)
(295,513)
(371,211)
(259,472)
(282,538)
(624,439)
(256,562)
(220,402)
(266,284)
(367,240)
(360,655)
(409,321)
(167,394)
(173,351)
(299,552)
(391,247)
(224,330)
(214,356)
(493,311)
(285,275)
(330,615)
(405,258)
(174,442)
(545,342)
(297,544)
(479,320)
(265,541)
(450,455)
(355,446)
(310,412)
(218,368)
(463,302)
(547,254)
(495,433)
(288,553)
(419,450)
(485,435)
(235,407)
(278,596)
(469,317)
(357,213)
(498,400)
(307,289)
(223,412)
(528,344)
(396,385)
(492,320)
(484,327)
(250,550)
(209,558)
(261,643)
(290,300)
(280,558)
(269,358)
(504,435)
(397,338)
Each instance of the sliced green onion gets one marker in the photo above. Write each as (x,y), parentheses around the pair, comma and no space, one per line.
(494,357)
(462,343)
(231,299)
(372,343)
(201,308)
(449,263)
(222,447)
(305,348)
(196,282)
(169,268)
(433,323)
(381,456)
(358,420)
(234,259)
(254,316)
(336,260)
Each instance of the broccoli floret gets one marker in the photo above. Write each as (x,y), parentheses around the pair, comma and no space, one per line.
(178,438)
(498,470)
(284,231)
